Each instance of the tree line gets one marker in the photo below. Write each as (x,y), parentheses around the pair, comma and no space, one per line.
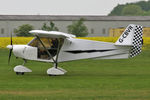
(77,28)
(141,8)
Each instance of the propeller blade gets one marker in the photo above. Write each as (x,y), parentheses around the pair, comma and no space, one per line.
(9,55)
(11,39)
(10,48)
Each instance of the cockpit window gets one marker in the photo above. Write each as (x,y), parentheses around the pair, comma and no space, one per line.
(46,41)
(50,43)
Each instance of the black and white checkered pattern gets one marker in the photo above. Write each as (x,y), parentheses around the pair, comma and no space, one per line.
(137,41)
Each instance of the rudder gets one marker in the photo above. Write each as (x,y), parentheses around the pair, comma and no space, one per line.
(137,41)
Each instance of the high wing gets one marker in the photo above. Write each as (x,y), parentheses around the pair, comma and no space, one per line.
(53,34)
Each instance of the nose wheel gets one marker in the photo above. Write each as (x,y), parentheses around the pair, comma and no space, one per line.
(20,70)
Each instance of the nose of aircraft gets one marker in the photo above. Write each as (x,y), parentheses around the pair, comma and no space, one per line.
(17,50)
(10,46)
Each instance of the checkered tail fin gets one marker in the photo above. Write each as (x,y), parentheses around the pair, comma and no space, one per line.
(132,37)
(137,41)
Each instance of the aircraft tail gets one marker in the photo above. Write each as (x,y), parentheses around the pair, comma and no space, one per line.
(132,36)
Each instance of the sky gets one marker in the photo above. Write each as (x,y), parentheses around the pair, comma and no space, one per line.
(59,7)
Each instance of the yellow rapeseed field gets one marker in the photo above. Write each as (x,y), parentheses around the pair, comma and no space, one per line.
(4,41)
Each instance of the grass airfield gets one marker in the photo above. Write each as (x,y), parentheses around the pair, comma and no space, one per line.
(125,79)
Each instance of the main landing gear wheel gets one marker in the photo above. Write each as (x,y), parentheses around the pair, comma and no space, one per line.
(56,71)
(20,73)
(52,75)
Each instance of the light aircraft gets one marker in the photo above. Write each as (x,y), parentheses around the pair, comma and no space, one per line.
(54,47)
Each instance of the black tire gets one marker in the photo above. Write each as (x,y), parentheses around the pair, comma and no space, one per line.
(51,75)
(22,73)
(19,73)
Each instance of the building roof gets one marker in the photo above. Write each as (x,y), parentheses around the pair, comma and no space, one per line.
(71,18)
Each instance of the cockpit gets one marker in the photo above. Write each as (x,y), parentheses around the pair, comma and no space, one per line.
(51,44)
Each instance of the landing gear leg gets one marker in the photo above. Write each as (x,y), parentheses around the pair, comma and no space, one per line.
(55,70)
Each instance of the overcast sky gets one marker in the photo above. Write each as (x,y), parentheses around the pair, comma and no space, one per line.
(59,7)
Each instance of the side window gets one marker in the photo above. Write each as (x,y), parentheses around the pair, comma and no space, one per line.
(46,41)
(34,43)
(50,43)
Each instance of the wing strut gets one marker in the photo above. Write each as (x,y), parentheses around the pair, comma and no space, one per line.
(46,50)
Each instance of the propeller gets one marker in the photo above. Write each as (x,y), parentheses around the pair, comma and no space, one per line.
(10,47)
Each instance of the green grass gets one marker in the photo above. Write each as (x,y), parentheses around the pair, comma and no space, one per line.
(126,79)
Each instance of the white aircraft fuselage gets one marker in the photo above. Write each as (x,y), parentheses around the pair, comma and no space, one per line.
(75,49)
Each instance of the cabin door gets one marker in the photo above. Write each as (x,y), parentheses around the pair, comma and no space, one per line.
(51,44)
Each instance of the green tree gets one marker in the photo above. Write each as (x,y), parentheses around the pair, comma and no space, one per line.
(142,8)
(146,13)
(145,5)
(116,11)
(44,27)
(23,30)
(51,27)
(132,10)
(78,28)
